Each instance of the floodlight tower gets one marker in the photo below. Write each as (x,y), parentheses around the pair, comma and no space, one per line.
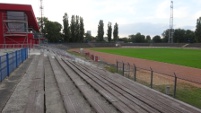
(171,30)
(41,14)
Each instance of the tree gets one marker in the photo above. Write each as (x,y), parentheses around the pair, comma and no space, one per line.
(179,36)
(81,35)
(66,29)
(72,29)
(165,35)
(124,39)
(100,31)
(115,32)
(109,31)
(157,39)
(148,39)
(88,37)
(198,30)
(77,29)
(190,36)
(52,31)
(41,23)
(138,38)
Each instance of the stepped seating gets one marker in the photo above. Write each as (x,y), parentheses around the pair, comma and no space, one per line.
(54,84)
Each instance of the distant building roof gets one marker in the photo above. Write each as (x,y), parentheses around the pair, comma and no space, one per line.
(32,22)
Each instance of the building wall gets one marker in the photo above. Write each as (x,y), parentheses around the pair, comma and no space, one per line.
(15,39)
(1,27)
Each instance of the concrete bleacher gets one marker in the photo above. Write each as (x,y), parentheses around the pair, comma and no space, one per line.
(49,82)
(194,45)
(66,46)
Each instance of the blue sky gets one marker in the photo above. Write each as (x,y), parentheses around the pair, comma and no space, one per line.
(149,17)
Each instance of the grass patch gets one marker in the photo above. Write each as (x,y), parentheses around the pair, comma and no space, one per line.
(111,69)
(185,92)
(180,56)
(189,94)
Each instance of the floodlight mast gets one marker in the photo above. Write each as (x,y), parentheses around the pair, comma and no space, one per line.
(41,12)
(171,30)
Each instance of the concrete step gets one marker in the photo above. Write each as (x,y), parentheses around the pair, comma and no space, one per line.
(53,100)
(8,85)
(19,99)
(73,99)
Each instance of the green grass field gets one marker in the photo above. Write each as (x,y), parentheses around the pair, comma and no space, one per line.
(185,57)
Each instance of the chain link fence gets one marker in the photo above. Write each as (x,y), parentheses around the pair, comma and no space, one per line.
(172,85)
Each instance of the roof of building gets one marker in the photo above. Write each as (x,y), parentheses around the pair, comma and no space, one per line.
(32,22)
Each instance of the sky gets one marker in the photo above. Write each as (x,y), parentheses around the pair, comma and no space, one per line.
(149,17)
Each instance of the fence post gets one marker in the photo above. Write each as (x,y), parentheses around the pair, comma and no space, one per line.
(7,62)
(123,68)
(134,69)
(128,70)
(27,51)
(175,84)
(16,58)
(117,66)
(22,54)
(151,83)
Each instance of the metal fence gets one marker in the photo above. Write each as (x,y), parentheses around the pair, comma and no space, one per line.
(14,46)
(10,61)
(159,81)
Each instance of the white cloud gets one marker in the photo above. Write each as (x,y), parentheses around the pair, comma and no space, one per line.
(162,10)
(197,15)
(155,14)
(181,12)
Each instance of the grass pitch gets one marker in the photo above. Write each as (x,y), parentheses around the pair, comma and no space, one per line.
(179,56)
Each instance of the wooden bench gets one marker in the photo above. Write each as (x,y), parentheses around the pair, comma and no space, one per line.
(155,99)
(111,98)
(120,94)
(94,98)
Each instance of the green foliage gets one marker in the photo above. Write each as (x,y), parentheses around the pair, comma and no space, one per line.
(189,94)
(77,29)
(138,38)
(88,37)
(52,31)
(109,31)
(183,36)
(73,28)
(66,29)
(111,69)
(157,39)
(185,92)
(100,31)
(165,35)
(179,36)
(116,32)
(148,39)
(186,57)
(125,39)
(81,29)
(198,30)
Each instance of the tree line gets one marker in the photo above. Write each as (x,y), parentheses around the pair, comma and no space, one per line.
(179,36)
(100,32)
(73,31)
